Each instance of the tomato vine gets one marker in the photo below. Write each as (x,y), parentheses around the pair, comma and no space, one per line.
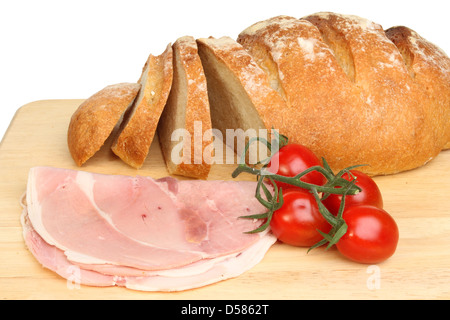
(273,200)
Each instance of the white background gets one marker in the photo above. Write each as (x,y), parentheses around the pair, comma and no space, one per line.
(56,49)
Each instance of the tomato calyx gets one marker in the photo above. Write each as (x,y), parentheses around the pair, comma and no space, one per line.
(339,226)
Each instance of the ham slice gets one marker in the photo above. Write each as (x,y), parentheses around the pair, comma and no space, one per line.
(145,234)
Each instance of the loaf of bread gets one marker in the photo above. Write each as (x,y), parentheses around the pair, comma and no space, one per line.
(94,120)
(352,96)
(187,110)
(339,84)
(133,143)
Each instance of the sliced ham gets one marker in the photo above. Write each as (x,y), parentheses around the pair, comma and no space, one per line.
(142,233)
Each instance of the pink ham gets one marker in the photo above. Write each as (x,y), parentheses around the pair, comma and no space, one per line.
(139,232)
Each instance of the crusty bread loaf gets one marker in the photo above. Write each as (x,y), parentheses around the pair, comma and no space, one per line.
(239,91)
(187,110)
(350,93)
(339,84)
(96,117)
(133,142)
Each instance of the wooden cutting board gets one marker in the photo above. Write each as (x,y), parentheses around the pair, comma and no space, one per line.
(419,200)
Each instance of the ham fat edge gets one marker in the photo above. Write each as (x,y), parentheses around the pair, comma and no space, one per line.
(141,233)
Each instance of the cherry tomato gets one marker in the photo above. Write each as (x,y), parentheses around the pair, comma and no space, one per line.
(293,159)
(371,237)
(297,221)
(370,193)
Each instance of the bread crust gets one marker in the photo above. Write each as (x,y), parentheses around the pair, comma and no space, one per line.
(191,104)
(94,120)
(351,96)
(430,68)
(132,144)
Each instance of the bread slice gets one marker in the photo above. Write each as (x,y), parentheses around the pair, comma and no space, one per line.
(240,93)
(133,142)
(187,110)
(94,120)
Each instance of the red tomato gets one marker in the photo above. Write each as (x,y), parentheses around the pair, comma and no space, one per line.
(371,237)
(370,194)
(297,221)
(293,159)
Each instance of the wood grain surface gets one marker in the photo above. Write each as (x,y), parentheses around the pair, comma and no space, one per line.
(419,200)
